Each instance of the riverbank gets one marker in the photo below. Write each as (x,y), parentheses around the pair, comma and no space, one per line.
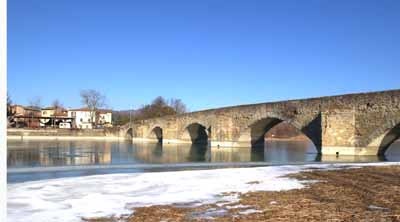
(370,193)
(64,134)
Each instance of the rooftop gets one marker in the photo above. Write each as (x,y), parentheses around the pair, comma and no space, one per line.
(88,110)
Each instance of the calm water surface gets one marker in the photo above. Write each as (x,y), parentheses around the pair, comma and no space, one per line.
(41,154)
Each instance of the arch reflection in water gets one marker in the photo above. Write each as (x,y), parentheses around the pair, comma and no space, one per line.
(57,153)
(63,153)
(242,154)
(286,151)
(290,151)
(180,153)
(158,153)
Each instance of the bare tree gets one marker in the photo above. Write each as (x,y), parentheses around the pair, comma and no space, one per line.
(35,102)
(93,100)
(9,102)
(56,103)
(58,111)
(159,101)
(178,106)
(58,106)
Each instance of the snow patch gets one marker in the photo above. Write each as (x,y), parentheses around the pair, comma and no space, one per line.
(250,211)
(70,199)
(238,206)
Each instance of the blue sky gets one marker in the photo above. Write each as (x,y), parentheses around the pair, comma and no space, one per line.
(209,53)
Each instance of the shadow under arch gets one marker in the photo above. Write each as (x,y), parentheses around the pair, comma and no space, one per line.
(312,131)
(389,138)
(129,133)
(157,133)
(198,133)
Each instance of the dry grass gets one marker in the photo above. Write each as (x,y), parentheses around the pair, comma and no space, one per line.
(363,194)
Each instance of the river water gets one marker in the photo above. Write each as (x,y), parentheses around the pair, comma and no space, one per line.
(31,159)
(69,180)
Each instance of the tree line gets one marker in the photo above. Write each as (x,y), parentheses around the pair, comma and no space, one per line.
(157,108)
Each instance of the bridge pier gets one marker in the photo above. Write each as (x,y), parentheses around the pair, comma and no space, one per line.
(357,132)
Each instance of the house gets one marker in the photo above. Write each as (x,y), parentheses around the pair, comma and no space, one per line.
(55,117)
(34,117)
(105,117)
(17,110)
(25,116)
(85,119)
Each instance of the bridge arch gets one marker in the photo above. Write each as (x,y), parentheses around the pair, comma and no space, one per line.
(129,133)
(196,133)
(260,127)
(384,136)
(156,133)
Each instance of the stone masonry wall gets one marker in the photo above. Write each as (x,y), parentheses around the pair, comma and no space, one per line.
(348,123)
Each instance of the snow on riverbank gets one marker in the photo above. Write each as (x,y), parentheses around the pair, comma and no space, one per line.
(69,199)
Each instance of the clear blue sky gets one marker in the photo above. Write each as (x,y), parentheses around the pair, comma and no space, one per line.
(209,53)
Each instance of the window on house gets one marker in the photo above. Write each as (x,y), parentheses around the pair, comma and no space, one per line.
(81,120)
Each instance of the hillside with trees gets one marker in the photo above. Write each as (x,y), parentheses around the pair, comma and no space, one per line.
(157,108)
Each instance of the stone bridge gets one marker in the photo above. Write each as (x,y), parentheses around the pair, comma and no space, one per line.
(352,124)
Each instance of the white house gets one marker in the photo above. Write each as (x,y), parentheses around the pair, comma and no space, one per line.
(83,119)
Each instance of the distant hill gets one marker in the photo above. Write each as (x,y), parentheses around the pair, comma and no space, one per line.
(126,112)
